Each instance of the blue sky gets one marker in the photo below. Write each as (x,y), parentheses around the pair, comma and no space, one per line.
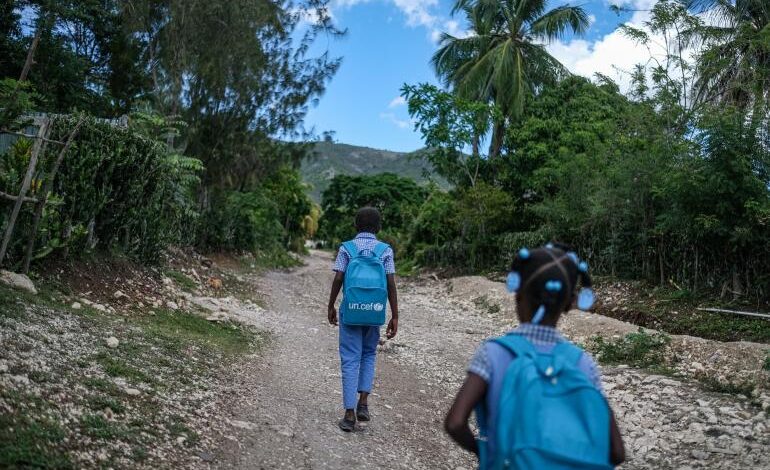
(390,42)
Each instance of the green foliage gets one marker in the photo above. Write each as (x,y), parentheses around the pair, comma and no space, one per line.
(185,282)
(448,124)
(636,193)
(178,330)
(397,199)
(27,442)
(640,349)
(115,190)
(267,219)
(16,99)
(503,62)
(766,364)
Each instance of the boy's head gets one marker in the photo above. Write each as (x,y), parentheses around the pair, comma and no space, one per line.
(545,281)
(368,220)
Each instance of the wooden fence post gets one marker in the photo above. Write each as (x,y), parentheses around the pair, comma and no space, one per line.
(43,198)
(37,148)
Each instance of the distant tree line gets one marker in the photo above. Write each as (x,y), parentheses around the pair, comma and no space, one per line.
(667,182)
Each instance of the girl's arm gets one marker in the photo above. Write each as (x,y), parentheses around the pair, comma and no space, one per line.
(617,450)
(456,422)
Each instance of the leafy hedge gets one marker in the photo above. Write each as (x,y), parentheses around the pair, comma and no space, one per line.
(116,190)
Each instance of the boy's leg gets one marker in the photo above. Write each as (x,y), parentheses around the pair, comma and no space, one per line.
(351,344)
(371,337)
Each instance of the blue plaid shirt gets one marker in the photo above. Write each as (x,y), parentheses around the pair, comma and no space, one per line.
(364,241)
(540,336)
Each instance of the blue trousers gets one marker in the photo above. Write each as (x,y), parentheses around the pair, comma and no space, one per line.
(358,355)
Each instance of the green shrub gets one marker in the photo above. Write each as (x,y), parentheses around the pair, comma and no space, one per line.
(639,349)
(116,190)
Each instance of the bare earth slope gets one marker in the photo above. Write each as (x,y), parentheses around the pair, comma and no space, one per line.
(284,403)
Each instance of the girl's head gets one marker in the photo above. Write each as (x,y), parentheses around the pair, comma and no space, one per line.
(545,280)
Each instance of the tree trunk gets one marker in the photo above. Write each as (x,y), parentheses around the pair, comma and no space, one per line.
(43,24)
(37,148)
(475,144)
(43,198)
(498,134)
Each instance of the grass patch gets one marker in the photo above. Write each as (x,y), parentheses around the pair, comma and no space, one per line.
(407,268)
(116,367)
(177,428)
(13,302)
(485,304)
(30,442)
(675,311)
(100,402)
(639,349)
(185,282)
(180,329)
(733,388)
(276,259)
(99,427)
(102,385)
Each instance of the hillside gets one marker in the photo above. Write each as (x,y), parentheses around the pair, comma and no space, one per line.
(331,159)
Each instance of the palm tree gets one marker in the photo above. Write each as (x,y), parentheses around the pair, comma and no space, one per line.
(504,59)
(734,66)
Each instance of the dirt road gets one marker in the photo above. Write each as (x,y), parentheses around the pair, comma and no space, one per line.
(284,403)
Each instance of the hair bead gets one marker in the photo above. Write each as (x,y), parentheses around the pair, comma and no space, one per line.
(524,254)
(513,281)
(539,314)
(585,298)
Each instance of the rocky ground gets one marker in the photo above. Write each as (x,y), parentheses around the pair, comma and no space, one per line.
(288,400)
(211,406)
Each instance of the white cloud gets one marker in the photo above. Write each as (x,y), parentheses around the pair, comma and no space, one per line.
(591,20)
(452,28)
(400,123)
(417,11)
(614,55)
(396,102)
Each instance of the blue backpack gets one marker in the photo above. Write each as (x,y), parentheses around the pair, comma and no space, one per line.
(365,293)
(550,416)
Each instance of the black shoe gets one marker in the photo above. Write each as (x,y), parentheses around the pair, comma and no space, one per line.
(362,412)
(347,425)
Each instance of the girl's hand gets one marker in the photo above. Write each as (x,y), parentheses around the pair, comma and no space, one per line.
(332,314)
(456,422)
(392,329)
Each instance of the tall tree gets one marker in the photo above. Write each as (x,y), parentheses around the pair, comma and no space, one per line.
(734,64)
(504,58)
(235,72)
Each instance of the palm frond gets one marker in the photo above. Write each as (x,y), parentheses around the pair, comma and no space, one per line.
(556,22)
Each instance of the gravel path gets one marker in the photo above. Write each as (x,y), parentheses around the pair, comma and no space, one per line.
(283,404)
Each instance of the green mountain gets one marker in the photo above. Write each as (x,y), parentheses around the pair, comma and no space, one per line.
(330,159)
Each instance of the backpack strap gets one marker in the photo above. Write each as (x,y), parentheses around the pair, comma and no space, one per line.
(379,249)
(516,344)
(351,248)
(565,353)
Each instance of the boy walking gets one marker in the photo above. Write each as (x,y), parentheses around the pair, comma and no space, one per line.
(366,269)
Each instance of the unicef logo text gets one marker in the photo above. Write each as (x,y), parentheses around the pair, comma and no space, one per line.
(377,307)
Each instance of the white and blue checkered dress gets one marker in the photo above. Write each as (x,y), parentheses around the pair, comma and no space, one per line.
(364,241)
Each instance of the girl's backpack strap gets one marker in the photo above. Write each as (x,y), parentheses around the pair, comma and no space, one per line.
(569,352)
(516,344)
(351,248)
(379,249)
